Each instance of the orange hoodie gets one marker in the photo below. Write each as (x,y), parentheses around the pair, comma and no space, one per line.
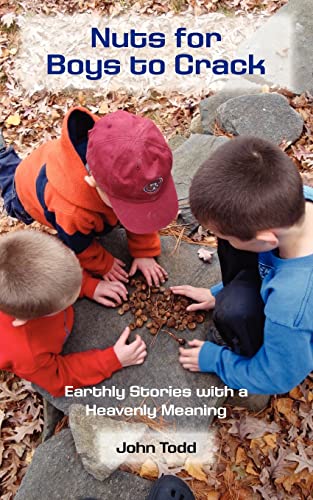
(51,187)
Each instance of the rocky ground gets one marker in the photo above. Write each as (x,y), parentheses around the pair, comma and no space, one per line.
(264,455)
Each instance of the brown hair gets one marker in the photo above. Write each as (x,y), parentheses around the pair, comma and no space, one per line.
(38,274)
(247,185)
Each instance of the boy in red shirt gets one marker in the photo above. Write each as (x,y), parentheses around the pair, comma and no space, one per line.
(40,279)
(100,171)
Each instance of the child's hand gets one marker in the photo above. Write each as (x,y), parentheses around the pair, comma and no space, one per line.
(107,290)
(152,271)
(189,358)
(203,296)
(130,354)
(117,273)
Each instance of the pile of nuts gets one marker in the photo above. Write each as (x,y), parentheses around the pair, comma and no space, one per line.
(159,307)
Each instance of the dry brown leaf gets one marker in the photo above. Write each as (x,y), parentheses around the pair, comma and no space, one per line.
(296,393)
(250,469)
(213,495)
(13,120)
(194,468)
(104,108)
(149,469)
(271,440)
(240,455)
(285,407)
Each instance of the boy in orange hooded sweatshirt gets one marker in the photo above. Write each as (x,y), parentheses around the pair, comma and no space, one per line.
(100,171)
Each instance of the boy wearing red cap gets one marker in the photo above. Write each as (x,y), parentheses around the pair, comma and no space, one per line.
(98,172)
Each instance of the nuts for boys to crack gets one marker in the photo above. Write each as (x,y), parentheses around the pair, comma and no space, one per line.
(159,307)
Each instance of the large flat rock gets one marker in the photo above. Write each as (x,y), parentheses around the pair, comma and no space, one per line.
(267,116)
(188,158)
(98,327)
(285,41)
(56,472)
(233,88)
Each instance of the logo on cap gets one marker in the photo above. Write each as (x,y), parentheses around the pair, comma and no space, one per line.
(153,186)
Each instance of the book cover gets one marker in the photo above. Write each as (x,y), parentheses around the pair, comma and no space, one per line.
(203,72)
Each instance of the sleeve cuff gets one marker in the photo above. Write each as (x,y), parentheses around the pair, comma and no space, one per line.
(209,355)
(89,286)
(217,288)
(112,363)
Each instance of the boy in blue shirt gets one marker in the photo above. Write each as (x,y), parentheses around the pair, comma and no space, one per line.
(250,194)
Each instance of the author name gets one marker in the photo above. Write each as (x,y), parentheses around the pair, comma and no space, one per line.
(166,447)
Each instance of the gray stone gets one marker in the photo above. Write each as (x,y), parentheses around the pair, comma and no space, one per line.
(268,116)
(285,43)
(96,440)
(98,327)
(176,141)
(188,158)
(196,125)
(209,106)
(56,472)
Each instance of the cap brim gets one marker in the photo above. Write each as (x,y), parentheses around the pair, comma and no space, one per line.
(144,218)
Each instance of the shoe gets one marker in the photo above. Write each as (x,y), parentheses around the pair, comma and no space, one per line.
(214,336)
(2,142)
(170,488)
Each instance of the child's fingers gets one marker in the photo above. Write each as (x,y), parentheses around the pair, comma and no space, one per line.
(141,349)
(195,343)
(113,295)
(133,269)
(182,290)
(136,343)
(147,276)
(196,307)
(155,277)
(142,354)
(160,274)
(163,271)
(140,361)
(116,275)
(124,336)
(119,287)
(120,262)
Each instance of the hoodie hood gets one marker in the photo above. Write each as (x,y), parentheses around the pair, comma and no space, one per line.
(66,161)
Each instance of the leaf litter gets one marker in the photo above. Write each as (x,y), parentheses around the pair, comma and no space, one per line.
(260,456)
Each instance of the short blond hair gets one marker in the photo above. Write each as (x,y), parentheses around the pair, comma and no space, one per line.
(39,275)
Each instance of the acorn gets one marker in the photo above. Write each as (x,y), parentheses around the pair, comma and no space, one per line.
(192,326)
(200,318)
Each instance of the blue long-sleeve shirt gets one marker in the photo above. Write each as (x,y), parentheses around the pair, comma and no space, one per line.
(286,356)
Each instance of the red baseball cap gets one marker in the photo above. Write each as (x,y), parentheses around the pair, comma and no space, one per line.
(131,162)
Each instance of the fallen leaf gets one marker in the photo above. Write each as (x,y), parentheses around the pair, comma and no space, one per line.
(194,468)
(8,19)
(206,255)
(252,427)
(303,460)
(213,495)
(285,407)
(104,108)
(251,470)
(271,440)
(13,120)
(240,455)
(149,469)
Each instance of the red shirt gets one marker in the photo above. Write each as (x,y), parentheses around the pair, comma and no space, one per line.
(33,351)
